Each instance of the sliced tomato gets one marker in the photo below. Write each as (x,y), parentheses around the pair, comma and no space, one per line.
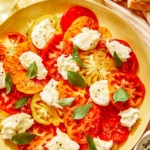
(111,128)
(131,65)
(66,90)
(79,129)
(75,29)
(9,42)
(131,84)
(98,64)
(8,101)
(18,73)
(50,54)
(73,13)
(44,134)
(43,113)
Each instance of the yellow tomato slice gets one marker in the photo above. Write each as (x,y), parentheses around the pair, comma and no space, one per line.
(43,113)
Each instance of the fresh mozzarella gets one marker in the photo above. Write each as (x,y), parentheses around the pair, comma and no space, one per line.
(42,33)
(66,64)
(2,76)
(129,117)
(62,142)
(50,95)
(122,51)
(29,57)
(15,124)
(87,39)
(102,145)
(99,92)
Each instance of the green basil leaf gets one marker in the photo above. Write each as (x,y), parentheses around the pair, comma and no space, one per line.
(91,143)
(66,101)
(75,56)
(75,53)
(8,83)
(23,138)
(117,61)
(75,79)
(32,70)
(21,102)
(81,111)
(121,95)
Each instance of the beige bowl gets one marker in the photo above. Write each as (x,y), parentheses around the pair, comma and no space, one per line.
(20,21)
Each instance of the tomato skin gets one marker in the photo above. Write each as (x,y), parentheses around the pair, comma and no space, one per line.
(131,65)
(50,115)
(131,84)
(50,54)
(110,127)
(44,134)
(73,13)
(79,129)
(9,42)
(8,101)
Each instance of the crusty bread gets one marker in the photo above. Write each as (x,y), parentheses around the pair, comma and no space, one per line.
(143,5)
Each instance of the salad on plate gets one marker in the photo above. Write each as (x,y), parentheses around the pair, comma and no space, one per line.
(68,84)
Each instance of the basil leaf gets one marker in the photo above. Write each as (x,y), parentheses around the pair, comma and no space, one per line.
(81,111)
(21,102)
(8,83)
(66,101)
(75,79)
(117,61)
(75,56)
(91,143)
(23,138)
(120,95)
(32,70)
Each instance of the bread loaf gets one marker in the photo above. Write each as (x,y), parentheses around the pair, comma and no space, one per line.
(143,5)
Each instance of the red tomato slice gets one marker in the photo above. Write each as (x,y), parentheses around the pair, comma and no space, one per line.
(50,54)
(9,42)
(66,90)
(73,13)
(79,129)
(7,101)
(45,134)
(111,128)
(131,65)
(131,84)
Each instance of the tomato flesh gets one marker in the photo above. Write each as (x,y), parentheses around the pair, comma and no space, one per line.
(131,84)
(111,128)
(79,129)
(50,54)
(9,42)
(131,65)
(8,101)
(74,13)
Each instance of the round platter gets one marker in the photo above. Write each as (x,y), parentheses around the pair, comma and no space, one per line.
(21,21)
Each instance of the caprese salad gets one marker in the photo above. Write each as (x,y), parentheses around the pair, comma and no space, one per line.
(68,84)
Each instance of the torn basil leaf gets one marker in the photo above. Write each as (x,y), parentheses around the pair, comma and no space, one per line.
(21,102)
(81,111)
(8,83)
(23,138)
(120,95)
(32,70)
(117,61)
(66,101)
(91,143)
(75,79)
(75,56)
